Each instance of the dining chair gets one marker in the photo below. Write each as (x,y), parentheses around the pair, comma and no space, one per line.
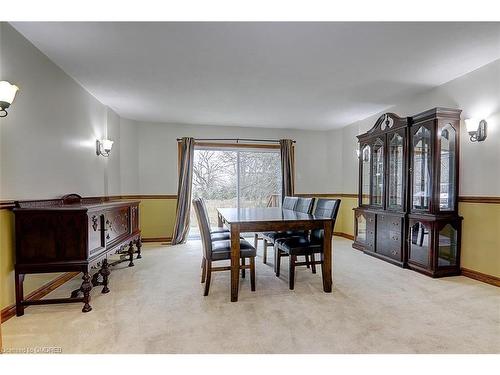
(212,230)
(289,203)
(304,205)
(308,244)
(214,251)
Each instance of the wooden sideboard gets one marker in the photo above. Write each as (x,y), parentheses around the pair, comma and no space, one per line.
(74,234)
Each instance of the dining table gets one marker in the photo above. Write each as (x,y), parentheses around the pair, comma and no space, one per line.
(274,219)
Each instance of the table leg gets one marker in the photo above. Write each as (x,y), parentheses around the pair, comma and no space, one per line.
(326,267)
(235,261)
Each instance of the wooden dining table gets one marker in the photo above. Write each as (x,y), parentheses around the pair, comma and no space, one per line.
(274,219)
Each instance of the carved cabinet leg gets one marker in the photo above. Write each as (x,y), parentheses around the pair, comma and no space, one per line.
(19,294)
(131,254)
(86,288)
(105,272)
(139,245)
(95,279)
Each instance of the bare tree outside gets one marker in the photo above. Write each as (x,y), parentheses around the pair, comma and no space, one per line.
(215,179)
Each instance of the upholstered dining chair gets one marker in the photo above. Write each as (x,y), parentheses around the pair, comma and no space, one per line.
(217,250)
(269,238)
(214,230)
(307,244)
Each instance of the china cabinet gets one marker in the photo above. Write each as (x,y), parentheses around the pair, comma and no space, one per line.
(407,212)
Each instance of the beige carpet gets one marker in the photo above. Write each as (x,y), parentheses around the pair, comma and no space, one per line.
(158,307)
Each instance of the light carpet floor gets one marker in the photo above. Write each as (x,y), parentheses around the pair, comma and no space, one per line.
(158,307)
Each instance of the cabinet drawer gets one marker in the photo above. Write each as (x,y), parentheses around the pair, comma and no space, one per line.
(389,236)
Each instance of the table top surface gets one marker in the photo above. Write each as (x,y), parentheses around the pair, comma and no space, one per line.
(267,214)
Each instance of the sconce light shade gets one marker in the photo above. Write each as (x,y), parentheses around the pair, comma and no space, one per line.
(7,95)
(103,147)
(477,129)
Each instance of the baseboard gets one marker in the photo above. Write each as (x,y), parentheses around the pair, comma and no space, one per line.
(157,239)
(9,311)
(488,279)
(345,235)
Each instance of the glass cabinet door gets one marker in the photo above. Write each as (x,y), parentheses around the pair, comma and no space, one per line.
(421,169)
(448,243)
(365,174)
(361,228)
(395,172)
(377,173)
(419,243)
(447,169)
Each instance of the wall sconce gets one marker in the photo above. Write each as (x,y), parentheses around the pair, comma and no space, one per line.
(7,95)
(103,147)
(476,132)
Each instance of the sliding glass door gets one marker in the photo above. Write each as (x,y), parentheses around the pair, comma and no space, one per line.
(235,177)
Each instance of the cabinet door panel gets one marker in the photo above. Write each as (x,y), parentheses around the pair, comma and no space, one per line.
(96,234)
(117,224)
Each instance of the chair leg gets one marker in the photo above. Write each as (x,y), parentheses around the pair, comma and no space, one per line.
(243,270)
(313,266)
(291,271)
(252,274)
(264,254)
(308,264)
(256,240)
(209,276)
(203,269)
(277,261)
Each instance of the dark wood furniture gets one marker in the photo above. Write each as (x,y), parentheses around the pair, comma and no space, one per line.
(408,189)
(74,234)
(273,219)
(220,249)
(304,243)
(268,238)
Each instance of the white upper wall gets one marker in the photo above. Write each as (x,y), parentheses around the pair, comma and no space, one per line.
(158,154)
(47,142)
(477,94)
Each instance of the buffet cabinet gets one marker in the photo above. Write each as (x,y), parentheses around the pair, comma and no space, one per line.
(74,234)
(407,210)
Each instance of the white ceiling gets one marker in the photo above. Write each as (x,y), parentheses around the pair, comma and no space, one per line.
(283,75)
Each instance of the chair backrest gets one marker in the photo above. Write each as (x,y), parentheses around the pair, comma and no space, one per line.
(325,208)
(304,205)
(205,211)
(204,227)
(289,203)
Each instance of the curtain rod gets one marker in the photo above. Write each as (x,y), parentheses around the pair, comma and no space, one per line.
(236,139)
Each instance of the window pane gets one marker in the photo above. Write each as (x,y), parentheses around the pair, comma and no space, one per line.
(447,169)
(419,243)
(447,255)
(260,179)
(421,169)
(396,172)
(214,180)
(378,172)
(365,188)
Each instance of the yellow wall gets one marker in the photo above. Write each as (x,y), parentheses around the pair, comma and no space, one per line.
(157,217)
(481,237)
(480,249)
